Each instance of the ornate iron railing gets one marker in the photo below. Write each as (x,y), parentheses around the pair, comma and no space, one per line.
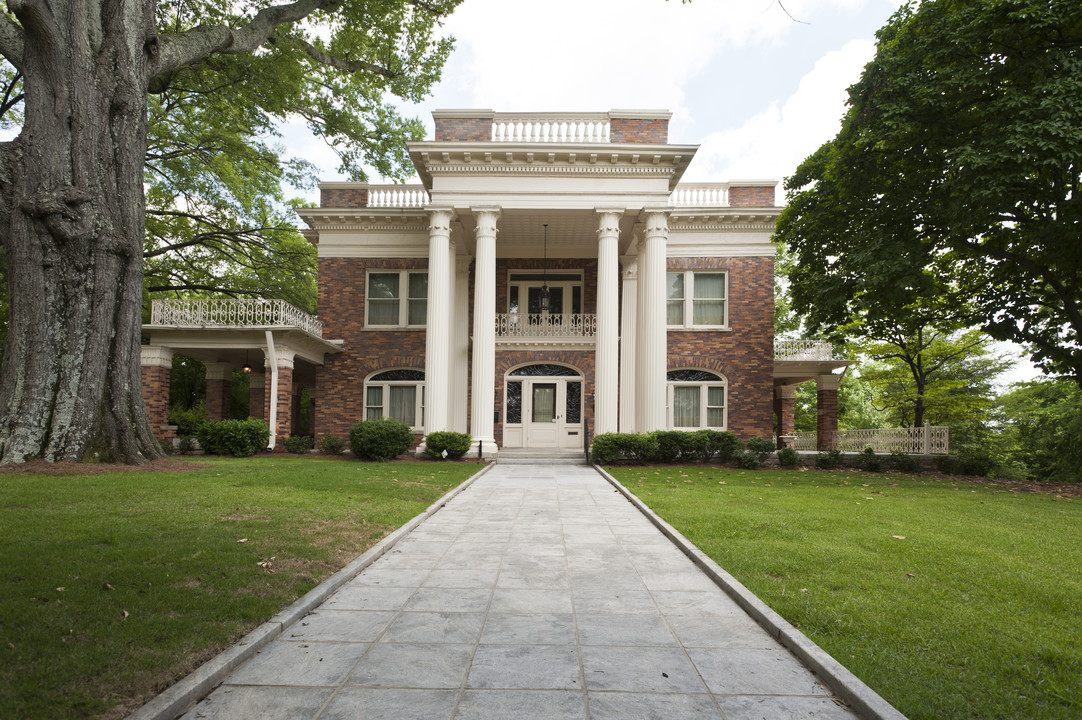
(926,440)
(803,350)
(516,325)
(232,313)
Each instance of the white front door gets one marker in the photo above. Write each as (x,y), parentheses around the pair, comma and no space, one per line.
(548,411)
(542,419)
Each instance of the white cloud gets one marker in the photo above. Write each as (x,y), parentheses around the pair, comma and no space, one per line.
(772,143)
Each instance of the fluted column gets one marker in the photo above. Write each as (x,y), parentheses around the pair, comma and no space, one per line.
(438,323)
(629,303)
(607,370)
(484,330)
(653,350)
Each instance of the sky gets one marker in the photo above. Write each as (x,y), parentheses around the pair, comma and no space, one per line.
(759,85)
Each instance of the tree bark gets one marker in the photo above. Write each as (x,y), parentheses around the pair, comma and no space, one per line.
(72,222)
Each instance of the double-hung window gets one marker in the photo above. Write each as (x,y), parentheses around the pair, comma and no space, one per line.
(697,299)
(396,394)
(696,400)
(397,298)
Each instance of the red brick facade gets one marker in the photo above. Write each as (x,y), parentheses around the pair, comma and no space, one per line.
(639,131)
(343,197)
(751,196)
(156,400)
(826,413)
(745,353)
(463,129)
(340,382)
(217,402)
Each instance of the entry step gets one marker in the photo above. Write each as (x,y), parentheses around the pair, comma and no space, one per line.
(540,456)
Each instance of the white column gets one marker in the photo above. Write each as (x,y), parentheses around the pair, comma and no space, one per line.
(460,346)
(629,303)
(607,362)
(484,330)
(652,358)
(438,324)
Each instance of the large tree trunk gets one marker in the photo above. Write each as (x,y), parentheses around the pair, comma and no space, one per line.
(73,221)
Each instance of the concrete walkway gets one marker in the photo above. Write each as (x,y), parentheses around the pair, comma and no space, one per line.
(538,592)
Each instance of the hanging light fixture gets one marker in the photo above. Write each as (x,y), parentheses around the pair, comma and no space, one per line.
(545,273)
(247,369)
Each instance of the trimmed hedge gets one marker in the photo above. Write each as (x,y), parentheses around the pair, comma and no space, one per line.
(666,446)
(788,457)
(239,438)
(456,444)
(299,444)
(380,440)
(332,445)
(763,447)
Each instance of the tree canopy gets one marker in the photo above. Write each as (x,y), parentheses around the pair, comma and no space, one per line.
(956,175)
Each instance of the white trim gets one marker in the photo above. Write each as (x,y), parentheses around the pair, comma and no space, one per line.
(403,298)
(689,299)
(704,395)
(385,395)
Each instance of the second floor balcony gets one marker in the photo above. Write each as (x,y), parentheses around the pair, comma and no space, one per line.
(574,326)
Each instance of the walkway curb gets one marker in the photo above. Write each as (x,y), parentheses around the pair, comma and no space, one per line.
(861,698)
(181,696)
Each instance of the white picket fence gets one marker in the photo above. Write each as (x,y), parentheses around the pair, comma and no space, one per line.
(926,440)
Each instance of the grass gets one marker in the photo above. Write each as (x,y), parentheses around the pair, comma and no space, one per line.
(950,599)
(114,586)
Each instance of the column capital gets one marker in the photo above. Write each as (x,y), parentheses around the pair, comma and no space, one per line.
(283,355)
(827,382)
(486,220)
(155,356)
(785,392)
(630,264)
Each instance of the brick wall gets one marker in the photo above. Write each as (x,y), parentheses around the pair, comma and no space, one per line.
(639,131)
(463,129)
(745,354)
(343,197)
(826,413)
(156,397)
(218,396)
(751,196)
(340,382)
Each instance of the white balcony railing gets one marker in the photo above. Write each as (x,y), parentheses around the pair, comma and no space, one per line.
(397,196)
(515,325)
(926,440)
(691,195)
(551,127)
(803,350)
(232,313)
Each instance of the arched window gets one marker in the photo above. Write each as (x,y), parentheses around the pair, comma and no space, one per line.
(696,399)
(397,394)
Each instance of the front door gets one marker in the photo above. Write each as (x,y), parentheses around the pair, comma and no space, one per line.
(543,412)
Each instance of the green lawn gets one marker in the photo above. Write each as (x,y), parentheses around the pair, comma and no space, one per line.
(950,599)
(114,586)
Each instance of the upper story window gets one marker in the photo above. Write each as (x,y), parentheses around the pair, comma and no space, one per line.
(397,299)
(524,292)
(397,394)
(696,400)
(697,299)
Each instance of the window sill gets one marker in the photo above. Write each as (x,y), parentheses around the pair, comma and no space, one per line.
(386,328)
(698,328)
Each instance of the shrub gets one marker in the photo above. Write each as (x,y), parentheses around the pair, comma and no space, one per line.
(969,462)
(788,457)
(868,461)
(829,460)
(379,440)
(332,445)
(185,445)
(456,444)
(671,444)
(762,447)
(299,444)
(748,460)
(606,448)
(725,445)
(187,420)
(903,462)
(240,438)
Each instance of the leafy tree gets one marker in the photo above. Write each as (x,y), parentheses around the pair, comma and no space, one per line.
(72,205)
(956,175)
(1042,421)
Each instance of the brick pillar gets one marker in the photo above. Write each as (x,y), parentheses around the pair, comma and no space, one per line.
(785,410)
(156,366)
(257,386)
(281,415)
(219,382)
(826,410)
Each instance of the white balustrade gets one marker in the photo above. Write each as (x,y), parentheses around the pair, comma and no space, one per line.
(232,313)
(515,325)
(553,128)
(397,196)
(927,440)
(700,195)
(803,350)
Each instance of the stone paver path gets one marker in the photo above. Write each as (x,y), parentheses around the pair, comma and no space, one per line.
(538,592)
